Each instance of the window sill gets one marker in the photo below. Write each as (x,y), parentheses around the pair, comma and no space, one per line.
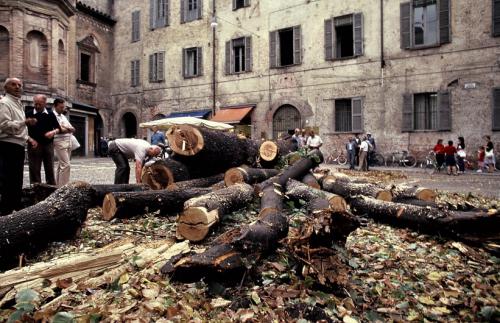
(344,58)
(420,47)
(342,133)
(285,66)
(235,9)
(86,83)
(187,77)
(239,73)
(188,21)
(154,81)
(425,130)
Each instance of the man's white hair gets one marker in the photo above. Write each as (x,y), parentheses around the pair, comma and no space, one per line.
(10,79)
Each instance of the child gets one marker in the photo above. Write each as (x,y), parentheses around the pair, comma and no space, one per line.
(480,159)
(451,163)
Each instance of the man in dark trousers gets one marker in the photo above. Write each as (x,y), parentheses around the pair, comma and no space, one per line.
(41,141)
(13,137)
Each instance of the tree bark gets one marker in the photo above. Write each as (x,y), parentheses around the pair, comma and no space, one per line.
(36,193)
(247,175)
(299,191)
(100,191)
(206,152)
(347,189)
(405,192)
(164,172)
(472,226)
(311,181)
(270,152)
(56,218)
(202,212)
(197,182)
(129,204)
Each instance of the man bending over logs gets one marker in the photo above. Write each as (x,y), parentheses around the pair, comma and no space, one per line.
(120,150)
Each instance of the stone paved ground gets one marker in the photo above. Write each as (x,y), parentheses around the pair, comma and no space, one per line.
(101,171)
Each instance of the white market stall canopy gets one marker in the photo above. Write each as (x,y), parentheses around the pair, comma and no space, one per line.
(166,123)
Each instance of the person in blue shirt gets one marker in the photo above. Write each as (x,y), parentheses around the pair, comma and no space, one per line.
(157,137)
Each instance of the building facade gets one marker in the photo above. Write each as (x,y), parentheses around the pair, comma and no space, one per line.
(408,71)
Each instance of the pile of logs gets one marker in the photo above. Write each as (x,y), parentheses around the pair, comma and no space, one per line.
(211,175)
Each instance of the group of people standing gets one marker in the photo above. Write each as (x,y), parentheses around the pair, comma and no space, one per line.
(307,139)
(360,151)
(44,133)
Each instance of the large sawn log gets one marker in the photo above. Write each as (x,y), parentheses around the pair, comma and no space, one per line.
(348,189)
(299,191)
(403,192)
(197,182)
(163,173)
(270,152)
(248,175)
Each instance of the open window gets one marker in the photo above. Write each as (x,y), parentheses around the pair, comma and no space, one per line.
(285,47)
(496,18)
(192,62)
(348,115)
(344,36)
(426,111)
(239,55)
(237,4)
(87,55)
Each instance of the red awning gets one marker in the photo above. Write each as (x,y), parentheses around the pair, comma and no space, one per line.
(231,115)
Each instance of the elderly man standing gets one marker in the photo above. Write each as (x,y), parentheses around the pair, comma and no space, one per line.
(41,141)
(120,150)
(62,144)
(13,137)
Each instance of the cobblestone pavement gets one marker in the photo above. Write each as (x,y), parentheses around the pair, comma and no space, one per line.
(101,171)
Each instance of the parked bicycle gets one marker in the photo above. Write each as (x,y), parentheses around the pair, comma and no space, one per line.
(340,158)
(430,163)
(401,158)
(377,159)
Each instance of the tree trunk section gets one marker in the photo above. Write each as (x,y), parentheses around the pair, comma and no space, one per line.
(130,204)
(472,226)
(100,190)
(164,172)
(299,191)
(311,181)
(56,218)
(405,192)
(202,212)
(248,175)
(270,152)
(197,182)
(36,193)
(347,189)
(206,152)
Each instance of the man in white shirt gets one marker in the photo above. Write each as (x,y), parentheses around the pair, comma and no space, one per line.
(62,144)
(120,150)
(314,142)
(363,154)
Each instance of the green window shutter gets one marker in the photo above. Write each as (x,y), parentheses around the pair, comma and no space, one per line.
(358,34)
(152,68)
(248,54)
(329,39)
(152,14)
(357,114)
(444,111)
(160,66)
(496,17)
(444,22)
(297,45)
(228,57)
(496,109)
(199,70)
(405,24)
(407,121)
(273,49)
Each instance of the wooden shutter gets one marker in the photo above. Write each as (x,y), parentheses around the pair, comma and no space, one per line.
(444,111)
(160,66)
(183,11)
(496,109)
(246,3)
(137,72)
(248,54)
(132,73)
(405,24)
(329,39)
(228,57)
(199,70)
(407,123)
(200,9)
(297,48)
(444,22)
(152,14)
(273,49)
(151,67)
(358,34)
(496,17)
(167,12)
(234,4)
(184,63)
(162,8)
(357,114)
(135,26)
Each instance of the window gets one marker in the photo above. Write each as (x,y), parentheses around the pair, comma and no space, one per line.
(239,55)
(36,58)
(4,53)
(285,47)
(426,111)
(425,23)
(344,36)
(496,109)
(348,115)
(136,26)
(496,18)
(156,67)
(192,61)
(158,13)
(85,67)
(190,10)
(135,73)
(237,4)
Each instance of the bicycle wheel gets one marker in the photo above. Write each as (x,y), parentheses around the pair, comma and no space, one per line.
(342,160)
(390,162)
(410,161)
(378,160)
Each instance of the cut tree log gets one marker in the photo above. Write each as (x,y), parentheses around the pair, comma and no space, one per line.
(202,212)
(469,226)
(31,229)
(206,152)
(405,192)
(296,191)
(130,204)
(338,176)
(197,182)
(100,190)
(164,172)
(347,189)
(310,180)
(270,152)
(248,175)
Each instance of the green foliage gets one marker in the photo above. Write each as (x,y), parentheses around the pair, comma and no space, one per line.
(63,317)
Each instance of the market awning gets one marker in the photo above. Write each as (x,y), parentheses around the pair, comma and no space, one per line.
(166,123)
(196,114)
(231,115)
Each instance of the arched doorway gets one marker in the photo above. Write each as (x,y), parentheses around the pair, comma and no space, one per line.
(129,125)
(286,119)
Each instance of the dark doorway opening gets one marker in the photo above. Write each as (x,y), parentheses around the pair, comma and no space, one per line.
(130,125)
(345,40)
(80,126)
(286,47)
(85,67)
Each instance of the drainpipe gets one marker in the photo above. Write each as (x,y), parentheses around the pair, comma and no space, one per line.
(213,24)
(382,59)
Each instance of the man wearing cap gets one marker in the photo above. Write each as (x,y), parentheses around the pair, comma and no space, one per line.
(120,150)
